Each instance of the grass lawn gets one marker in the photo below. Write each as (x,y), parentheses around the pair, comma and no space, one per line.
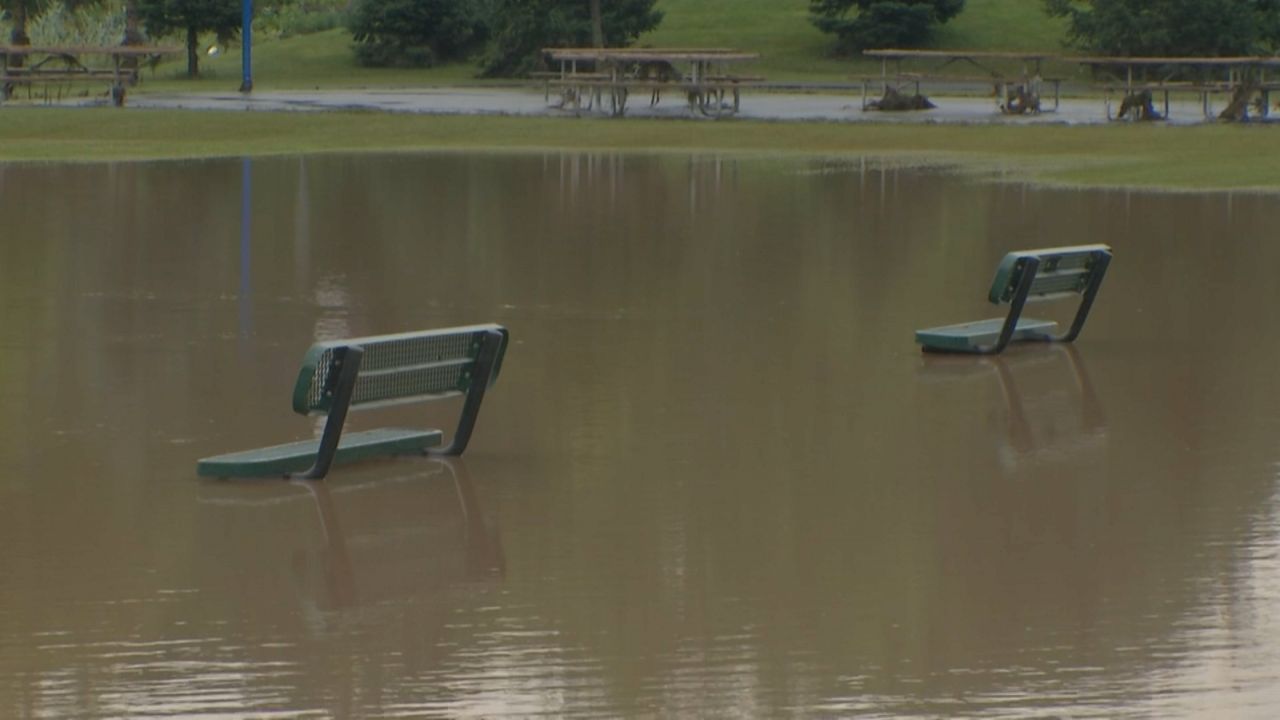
(790,47)
(1122,155)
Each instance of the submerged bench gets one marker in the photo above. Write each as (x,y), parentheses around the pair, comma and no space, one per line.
(371,372)
(1022,277)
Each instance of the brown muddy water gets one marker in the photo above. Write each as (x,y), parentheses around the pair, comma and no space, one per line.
(716,479)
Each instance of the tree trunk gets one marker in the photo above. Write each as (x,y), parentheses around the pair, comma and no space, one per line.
(1238,109)
(132,25)
(597,25)
(193,54)
(18,13)
(132,33)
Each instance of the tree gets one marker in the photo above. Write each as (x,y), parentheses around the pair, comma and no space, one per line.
(416,33)
(221,17)
(862,24)
(1202,28)
(19,12)
(132,25)
(522,28)
(597,24)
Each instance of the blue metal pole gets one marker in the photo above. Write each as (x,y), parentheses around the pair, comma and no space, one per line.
(246,49)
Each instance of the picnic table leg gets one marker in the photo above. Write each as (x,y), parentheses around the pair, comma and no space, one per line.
(117,92)
(481,373)
(618,100)
(348,359)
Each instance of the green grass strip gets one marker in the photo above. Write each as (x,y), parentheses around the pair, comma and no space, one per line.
(1202,157)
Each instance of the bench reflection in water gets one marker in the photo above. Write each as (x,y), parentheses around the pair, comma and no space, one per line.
(1056,418)
(385,537)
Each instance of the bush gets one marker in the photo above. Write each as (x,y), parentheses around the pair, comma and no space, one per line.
(415,33)
(88,25)
(863,24)
(522,28)
(1199,27)
(286,18)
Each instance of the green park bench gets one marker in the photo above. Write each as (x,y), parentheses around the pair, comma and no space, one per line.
(1030,275)
(371,372)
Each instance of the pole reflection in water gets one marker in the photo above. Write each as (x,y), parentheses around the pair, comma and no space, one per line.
(245,296)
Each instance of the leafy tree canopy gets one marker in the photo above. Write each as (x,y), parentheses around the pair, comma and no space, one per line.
(162,17)
(416,33)
(522,28)
(864,24)
(1171,27)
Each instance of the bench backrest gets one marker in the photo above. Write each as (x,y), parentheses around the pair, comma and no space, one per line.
(405,367)
(1061,272)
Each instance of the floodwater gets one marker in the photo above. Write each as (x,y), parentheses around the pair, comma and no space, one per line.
(716,478)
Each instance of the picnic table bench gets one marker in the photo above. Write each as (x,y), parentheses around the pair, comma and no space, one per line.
(586,75)
(1029,275)
(28,65)
(370,372)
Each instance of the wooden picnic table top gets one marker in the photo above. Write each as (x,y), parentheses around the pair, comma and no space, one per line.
(1241,60)
(902,54)
(895,53)
(642,54)
(115,50)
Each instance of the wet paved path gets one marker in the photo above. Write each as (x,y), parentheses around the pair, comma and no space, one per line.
(532,102)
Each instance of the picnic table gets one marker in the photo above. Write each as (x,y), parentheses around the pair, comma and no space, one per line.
(1133,77)
(28,65)
(585,76)
(1017,91)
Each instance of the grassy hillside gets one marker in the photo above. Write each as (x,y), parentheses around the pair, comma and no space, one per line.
(790,47)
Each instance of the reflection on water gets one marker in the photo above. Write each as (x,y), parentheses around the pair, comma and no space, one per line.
(1063,421)
(717,478)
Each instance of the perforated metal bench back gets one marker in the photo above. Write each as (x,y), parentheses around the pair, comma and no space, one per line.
(1063,271)
(405,367)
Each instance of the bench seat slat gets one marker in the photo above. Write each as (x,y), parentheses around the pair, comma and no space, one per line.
(279,460)
(967,336)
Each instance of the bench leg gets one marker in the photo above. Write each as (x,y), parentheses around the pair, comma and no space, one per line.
(349,359)
(1015,307)
(1086,302)
(481,372)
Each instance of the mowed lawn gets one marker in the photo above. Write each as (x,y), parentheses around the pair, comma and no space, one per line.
(790,47)
(1203,157)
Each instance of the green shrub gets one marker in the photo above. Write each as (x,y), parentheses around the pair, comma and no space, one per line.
(287,18)
(88,25)
(864,24)
(415,33)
